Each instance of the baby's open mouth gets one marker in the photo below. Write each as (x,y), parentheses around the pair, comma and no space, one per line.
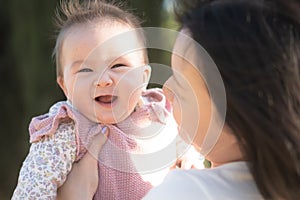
(106,99)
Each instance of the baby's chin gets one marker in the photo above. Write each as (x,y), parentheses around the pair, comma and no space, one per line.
(112,119)
(108,121)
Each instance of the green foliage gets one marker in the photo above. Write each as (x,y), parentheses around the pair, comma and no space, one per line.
(28,79)
(207,163)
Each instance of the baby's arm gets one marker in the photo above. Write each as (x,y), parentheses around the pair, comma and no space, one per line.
(47,165)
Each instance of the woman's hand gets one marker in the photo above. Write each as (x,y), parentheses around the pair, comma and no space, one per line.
(190,160)
(186,162)
(82,181)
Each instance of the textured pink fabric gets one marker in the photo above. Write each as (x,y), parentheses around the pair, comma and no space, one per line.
(47,124)
(118,178)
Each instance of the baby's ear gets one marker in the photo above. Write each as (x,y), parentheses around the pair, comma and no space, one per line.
(147,74)
(61,83)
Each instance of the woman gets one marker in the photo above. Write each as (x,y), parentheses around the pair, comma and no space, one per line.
(256,47)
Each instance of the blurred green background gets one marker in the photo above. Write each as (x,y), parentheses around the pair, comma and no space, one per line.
(28,81)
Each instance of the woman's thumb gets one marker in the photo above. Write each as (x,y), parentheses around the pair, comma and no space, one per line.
(98,142)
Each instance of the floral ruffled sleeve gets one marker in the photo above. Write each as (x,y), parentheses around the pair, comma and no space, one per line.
(47,165)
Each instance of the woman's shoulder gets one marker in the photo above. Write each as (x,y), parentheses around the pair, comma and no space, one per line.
(228,172)
(176,185)
(232,181)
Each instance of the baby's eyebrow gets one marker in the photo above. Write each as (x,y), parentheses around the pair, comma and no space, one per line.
(78,62)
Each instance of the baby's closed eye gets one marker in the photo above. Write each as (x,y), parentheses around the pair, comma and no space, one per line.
(84,70)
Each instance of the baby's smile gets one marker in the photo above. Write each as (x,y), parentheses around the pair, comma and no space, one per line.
(106,99)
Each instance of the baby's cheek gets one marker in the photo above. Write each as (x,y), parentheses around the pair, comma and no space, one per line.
(133,99)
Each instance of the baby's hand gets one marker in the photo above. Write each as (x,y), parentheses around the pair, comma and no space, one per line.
(190,160)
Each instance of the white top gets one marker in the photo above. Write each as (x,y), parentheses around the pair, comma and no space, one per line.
(229,181)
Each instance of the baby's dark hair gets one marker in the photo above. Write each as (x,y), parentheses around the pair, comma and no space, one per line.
(73,12)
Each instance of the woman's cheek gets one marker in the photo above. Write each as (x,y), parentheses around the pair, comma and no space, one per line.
(177,111)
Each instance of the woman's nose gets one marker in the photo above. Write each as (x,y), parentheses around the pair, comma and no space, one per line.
(104,81)
(168,92)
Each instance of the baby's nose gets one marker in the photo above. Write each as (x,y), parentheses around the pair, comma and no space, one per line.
(104,81)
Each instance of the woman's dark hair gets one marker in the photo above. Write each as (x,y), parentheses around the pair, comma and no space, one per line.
(256,47)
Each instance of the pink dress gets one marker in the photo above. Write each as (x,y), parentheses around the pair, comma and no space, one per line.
(138,147)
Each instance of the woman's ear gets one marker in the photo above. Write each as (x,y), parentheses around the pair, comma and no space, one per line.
(147,74)
(61,83)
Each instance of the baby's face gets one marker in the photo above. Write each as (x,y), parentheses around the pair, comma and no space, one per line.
(104,70)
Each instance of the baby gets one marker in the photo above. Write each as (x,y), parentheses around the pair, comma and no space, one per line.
(102,68)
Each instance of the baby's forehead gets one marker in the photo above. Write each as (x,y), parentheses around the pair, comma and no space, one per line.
(105,25)
(123,48)
(103,39)
(109,32)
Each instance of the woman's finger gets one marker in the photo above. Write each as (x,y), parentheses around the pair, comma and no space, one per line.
(98,142)
(83,179)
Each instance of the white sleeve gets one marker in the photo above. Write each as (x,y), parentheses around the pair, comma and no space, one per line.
(47,165)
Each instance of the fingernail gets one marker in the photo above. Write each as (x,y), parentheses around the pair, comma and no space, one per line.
(104,129)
